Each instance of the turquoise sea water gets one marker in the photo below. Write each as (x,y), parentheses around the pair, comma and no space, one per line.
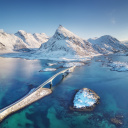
(18,76)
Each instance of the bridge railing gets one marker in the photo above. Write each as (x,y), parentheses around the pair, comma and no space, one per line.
(53,77)
(42,85)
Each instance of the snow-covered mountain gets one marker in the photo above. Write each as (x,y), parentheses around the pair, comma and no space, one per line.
(10,42)
(125,42)
(2,46)
(32,40)
(65,44)
(41,37)
(21,40)
(107,44)
(62,45)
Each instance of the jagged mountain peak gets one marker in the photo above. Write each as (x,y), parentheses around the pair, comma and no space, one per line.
(62,33)
(32,40)
(21,32)
(65,44)
(42,34)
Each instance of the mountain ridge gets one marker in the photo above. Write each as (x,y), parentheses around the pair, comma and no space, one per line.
(107,44)
(21,40)
(66,44)
(63,44)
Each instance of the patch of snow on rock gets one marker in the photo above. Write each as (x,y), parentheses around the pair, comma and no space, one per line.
(119,66)
(84,98)
(48,70)
(51,64)
(71,64)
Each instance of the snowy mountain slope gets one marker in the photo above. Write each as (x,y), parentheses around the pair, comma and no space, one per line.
(10,42)
(32,40)
(41,37)
(2,46)
(21,40)
(62,45)
(65,44)
(125,42)
(107,44)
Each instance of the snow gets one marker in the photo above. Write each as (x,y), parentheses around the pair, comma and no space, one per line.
(21,40)
(41,37)
(63,33)
(84,98)
(125,42)
(71,64)
(48,70)
(119,66)
(107,45)
(32,40)
(10,42)
(51,64)
(66,45)
(63,45)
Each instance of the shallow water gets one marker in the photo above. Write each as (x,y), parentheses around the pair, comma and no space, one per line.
(18,76)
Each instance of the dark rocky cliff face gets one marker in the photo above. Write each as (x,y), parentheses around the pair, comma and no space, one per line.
(2,46)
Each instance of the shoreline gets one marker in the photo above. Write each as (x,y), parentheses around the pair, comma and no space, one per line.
(32,56)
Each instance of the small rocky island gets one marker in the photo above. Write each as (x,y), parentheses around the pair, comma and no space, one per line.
(85,100)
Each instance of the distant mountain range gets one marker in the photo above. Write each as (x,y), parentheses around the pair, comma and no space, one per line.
(107,44)
(21,40)
(125,42)
(63,44)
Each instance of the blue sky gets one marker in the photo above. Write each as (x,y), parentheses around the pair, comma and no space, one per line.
(85,18)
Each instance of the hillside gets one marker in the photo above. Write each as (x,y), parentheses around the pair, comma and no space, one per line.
(10,42)
(32,40)
(65,44)
(21,41)
(107,44)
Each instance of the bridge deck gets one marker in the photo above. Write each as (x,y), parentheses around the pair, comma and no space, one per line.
(38,94)
(31,97)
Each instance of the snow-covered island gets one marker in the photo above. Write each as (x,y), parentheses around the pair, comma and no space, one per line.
(51,64)
(48,70)
(85,100)
(71,64)
(118,66)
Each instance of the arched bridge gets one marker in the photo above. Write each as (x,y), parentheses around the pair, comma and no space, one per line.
(32,96)
(64,73)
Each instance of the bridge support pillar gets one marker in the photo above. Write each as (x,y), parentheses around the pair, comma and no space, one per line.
(51,85)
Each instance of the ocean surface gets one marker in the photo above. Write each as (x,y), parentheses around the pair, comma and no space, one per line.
(19,76)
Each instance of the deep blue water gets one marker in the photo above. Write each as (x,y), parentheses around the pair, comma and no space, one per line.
(18,76)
